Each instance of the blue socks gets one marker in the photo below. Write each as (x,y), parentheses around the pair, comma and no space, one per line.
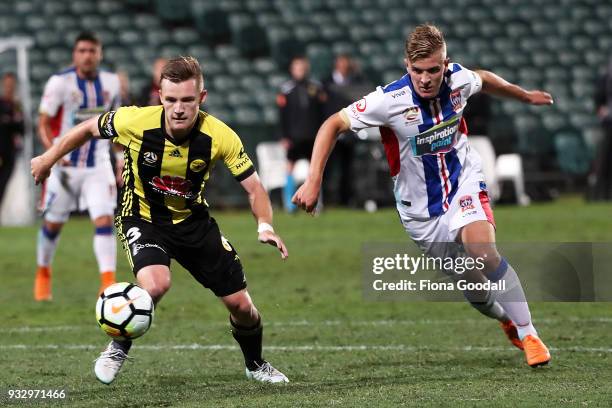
(288,192)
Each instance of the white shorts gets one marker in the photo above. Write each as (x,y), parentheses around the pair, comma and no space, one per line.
(470,204)
(70,188)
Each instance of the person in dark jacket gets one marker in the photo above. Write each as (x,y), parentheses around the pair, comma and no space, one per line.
(11,128)
(301,102)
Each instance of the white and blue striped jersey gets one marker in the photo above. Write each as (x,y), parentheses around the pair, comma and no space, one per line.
(425,140)
(69,100)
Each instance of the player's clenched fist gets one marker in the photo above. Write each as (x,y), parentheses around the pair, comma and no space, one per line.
(307,196)
(41,169)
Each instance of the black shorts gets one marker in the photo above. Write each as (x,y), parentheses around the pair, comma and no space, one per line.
(196,243)
(300,149)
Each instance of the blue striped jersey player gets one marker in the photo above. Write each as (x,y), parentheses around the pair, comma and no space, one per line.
(439,186)
(84,178)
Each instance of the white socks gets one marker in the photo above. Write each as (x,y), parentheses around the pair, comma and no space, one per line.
(512,299)
(45,247)
(105,248)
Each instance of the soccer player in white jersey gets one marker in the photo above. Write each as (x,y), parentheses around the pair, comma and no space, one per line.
(84,178)
(438,182)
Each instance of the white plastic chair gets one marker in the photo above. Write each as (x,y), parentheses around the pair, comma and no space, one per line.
(272,164)
(505,167)
(272,168)
(509,167)
(300,171)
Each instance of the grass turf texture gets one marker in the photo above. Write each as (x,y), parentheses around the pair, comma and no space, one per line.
(337,349)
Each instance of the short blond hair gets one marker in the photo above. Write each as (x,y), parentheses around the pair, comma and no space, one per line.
(425,40)
(181,69)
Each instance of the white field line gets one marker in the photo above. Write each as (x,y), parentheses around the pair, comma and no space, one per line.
(294,348)
(323,323)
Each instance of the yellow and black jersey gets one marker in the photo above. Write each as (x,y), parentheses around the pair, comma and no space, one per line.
(163,181)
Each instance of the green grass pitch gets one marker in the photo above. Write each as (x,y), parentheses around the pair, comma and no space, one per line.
(336,348)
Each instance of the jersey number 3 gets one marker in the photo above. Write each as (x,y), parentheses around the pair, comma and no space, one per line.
(133,234)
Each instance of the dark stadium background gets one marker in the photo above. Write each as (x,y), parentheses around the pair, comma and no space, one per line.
(245,45)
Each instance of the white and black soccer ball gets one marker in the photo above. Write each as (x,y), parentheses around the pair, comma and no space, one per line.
(124,311)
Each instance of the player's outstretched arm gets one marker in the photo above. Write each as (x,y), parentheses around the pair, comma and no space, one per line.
(75,137)
(262,211)
(495,85)
(308,194)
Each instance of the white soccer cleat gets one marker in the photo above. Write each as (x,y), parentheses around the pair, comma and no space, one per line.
(267,374)
(109,363)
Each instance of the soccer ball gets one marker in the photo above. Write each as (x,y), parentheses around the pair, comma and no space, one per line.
(124,311)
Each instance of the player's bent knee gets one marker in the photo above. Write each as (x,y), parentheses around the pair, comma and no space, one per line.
(241,306)
(54,227)
(485,255)
(491,262)
(155,279)
(103,221)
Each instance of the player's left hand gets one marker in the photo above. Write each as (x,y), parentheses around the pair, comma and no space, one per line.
(539,98)
(41,168)
(269,237)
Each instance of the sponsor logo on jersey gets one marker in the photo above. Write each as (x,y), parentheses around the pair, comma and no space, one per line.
(466,203)
(413,115)
(360,105)
(226,244)
(398,94)
(173,186)
(197,165)
(456,100)
(439,139)
(108,129)
(242,163)
(150,158)
(77,97)
(483,186)
(175,153)
(137,247)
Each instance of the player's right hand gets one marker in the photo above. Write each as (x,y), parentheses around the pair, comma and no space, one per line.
(307,196)
(40,168)
(269,237)
(539,98)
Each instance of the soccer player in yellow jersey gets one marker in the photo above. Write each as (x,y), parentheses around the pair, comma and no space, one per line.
(169,152)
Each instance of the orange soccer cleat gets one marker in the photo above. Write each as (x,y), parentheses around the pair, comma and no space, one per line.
(536,352)
(512,333)
(106,279)
(42,284)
